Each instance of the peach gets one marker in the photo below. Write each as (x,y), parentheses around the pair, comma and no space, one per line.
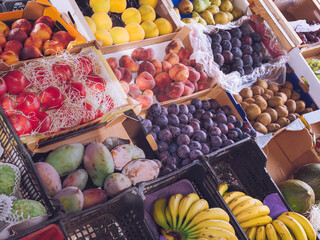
(147,67)
(184,53)
(148,92)
(145,81)
(172,58)
(46,20)
(211,81)
(4,29)
(193,62)
(127,62)
(33,41)
(22,24)
(156,90)
(161,96)
(144,100)
(162,79)
(113,62)
(42,31)
(179,73)
(141,54)
(157,64)
(14,46)
(194,76)
(199,67)
(30,52)
(186,62)
(188,88)
(17,34)
(173,47)
(63,37)
(52,47)
(203,77)
(125,86)
(174,90)
(195,86)
(3,40)
(203,86)
(134,90)
(9,57)
(117,73)
(166,66)
(126,75)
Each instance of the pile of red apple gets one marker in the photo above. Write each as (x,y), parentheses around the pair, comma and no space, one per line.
(172,78)
(56,96)
(24,41)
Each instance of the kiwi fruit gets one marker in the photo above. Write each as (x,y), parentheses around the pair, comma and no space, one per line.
(288,85)
(260,127)
(300,106)
(273,114)
(282,111)
(262,83)
(292,117)
(244,105)
(257,90)
(273,127)
(269,92)
(238,98)
(266,96)
(295,96)
(282,121)
(273,87)
(249,100)
(276,101)
(261,102)
(253,111)
(291,105)
(307,110)
(264,118)
(246,93)
(287,92)
(283,95)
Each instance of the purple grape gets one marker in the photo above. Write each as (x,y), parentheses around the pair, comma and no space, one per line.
(216,48)
(173,109)
(173,120)
(206,105)
(207,115)
(226,109)
(195,125)
(205,148)
(256,37)
(223,137)
(213,104)
(198,114)
(183,109)
(226,45)
(207,123)
(236,33)
(225,35)
(183,139)
(196,154)
(233,135)
(196,102)
(223,127)
(236,52)
(164,155)
(199,136)
(231,118)
(216,142)
(155,129)
(173,148)
(192,109)
(162,146)
(194,145)
(183,151)
(248,70)
(228,142)
(214,131)
(147,124)
(187,129)
(154,110)
(247,60)
(183,118)
(186,161)
(245,30)
(175,131)
(238,124)
(165,135)
(221,118)
(161,121)
(230,126)
(235,42)
(216,38)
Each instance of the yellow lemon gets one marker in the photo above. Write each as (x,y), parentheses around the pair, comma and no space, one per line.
(104,36)
(103,6)
(91,24)
(150,29)
(131,15)
(152,3)
(136,32)
(118,6)
(147,13)
(119,35)
(164,26)
(102,20)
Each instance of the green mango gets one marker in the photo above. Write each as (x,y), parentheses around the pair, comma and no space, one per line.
(200,5)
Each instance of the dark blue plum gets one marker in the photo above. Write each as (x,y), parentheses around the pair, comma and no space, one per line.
(231,118)
(246,130)
(207,115)
(238,124)
(221,118)
(148,116)
(192,109)
(164,155)
(164,111)
(226,45)
(257,47)
(183,118)
(225,35)
(225,69)
(236,33)
(239,131)
(205,148)
(256,57)
(175,131)
(223,137)
(207,123)
(257,64)
(245,30)
(147,124)
(227,142)
(235,42)
(253,133)
(237,63)
(214,131)
(172,160)
(162,146)
(199,136)
(172,167)
(213,104)
(223,127)
(233,135)
(183,151)
(247,60)
(196,154)
(161,121)
(186,161)
(166,170)
(190,116)
(173,120)
(194,145)
(173,109)
(216,48)
(216,38)
(230,126)
(216,142)
(183,139)
(187,129)
(237,52)
(198,114)
(226,109)
(155,129)
(256,37)
(206,105)
(194,124)
(196,102)
(154,135)
(245,135)
(173,148)
(247,69)
(183,109)
(165,135)
(155,110)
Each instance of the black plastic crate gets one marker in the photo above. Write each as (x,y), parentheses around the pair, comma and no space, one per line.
(203,184)
(31,186)
(121,218)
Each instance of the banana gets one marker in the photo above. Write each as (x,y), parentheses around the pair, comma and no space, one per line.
(245,205)
(213,230)
(185,205)
(213,223)
(168,237)
(282,230)
(195,208)
(261,233)
(259,221)
(271,232)
(251,233)
(210,236)
(252,212)
(174,208)
(159,213)
(304,222)
(235,202)
(231,195)
(211,213)
(294,227)
(223,187)
(168,216)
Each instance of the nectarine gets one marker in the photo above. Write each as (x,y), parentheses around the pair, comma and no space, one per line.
(172,58)
(33,41)
(127,62)
(52,47)
(14,46)
(174,90)
(63,37)
(46,20)
(29,52)
(147,67)
(22,24)
(9,57)
(42,31)
(17,34)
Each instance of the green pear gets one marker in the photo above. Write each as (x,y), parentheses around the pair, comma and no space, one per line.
(200,5)
(236,12)
(195,14)
(213,9)
(208,17)
(202,21)
(226,6)
(190,20)
(230,16)
(216,2)
(185,7)
(221,18)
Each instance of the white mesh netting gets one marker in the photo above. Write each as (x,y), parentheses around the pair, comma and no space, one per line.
(17,177)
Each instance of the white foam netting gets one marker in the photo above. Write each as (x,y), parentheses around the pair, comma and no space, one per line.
(17,179)
(74,108)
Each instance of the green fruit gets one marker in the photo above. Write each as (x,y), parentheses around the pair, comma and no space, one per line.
(216,2)
(7,179)
(190,20)
(213,9)
(195,15)
(66,159)
(226,6)
(221,18)
(207,16)
(310,174)
(25,208)
(200,5)
(71,199)
(298,194)
(185,7)
(202,21)
(236,12)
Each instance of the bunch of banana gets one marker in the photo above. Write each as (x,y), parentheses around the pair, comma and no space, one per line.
(190,217)
(249,212)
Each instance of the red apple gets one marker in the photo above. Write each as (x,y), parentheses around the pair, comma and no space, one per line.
(90,113)
(22,24)
(14,46)
(51,98)
(17,34)
(96,83)
(76,90)
(84,66)
(39,74)
(41,122)
(62,72)
(21,124)
(3,87)
(28,103)
(16,82)
(8,106)
(46,20)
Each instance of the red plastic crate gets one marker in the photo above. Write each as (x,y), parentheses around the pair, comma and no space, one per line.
(52,231)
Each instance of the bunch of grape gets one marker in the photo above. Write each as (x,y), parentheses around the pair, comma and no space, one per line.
(238,49)
(314,64)
(185,133)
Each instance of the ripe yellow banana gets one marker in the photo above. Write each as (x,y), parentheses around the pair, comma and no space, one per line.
(251,233)
(209,236)
(271,232)
(255,222)
(213,230)
(174,208)
(294,227)
(223,187)
(252,212)
(196,207)
(245,205)
(169,237)
(185,205)
(282,230)
(159,213)
(211,213)
(213,223)
(235,202)
(168,216)
(231,195)
(261,233)
(304,222)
